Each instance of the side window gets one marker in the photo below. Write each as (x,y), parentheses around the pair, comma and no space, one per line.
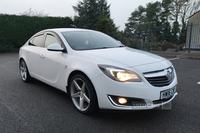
(31,40)
(38,41)
(50,39)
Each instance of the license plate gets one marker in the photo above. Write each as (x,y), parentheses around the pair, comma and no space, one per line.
(168,93)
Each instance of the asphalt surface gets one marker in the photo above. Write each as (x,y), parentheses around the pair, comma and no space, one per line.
(38,108)
(181,55)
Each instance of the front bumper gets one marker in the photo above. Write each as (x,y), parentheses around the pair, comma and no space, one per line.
(106,87)
(143,104)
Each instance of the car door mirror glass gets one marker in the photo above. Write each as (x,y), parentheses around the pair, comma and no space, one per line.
(119,42)
(55,47)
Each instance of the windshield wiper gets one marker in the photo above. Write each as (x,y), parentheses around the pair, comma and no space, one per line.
(105,47)
(109,47)
(113,47)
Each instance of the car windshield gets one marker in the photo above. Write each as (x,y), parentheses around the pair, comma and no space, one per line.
(89,40)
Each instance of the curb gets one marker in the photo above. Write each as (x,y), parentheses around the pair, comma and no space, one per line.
(187,56)
(194,56)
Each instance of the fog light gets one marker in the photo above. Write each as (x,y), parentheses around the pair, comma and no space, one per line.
(122,100)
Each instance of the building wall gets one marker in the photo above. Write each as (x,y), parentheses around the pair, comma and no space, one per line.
(194,18)
(195,34)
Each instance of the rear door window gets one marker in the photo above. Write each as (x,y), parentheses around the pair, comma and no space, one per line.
(38,41)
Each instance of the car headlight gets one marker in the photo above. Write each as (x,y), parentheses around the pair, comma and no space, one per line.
(120,74)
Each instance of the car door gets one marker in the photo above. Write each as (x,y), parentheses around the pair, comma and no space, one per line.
(52,63)
(33,54)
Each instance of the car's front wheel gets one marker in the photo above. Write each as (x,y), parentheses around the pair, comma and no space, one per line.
(24,71)
(83,94)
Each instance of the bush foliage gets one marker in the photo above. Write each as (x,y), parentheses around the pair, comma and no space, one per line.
(16,30)
(166,45)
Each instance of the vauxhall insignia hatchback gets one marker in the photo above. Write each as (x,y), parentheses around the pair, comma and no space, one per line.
(97,71)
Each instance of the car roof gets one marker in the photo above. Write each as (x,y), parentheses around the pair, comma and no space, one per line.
(66,29)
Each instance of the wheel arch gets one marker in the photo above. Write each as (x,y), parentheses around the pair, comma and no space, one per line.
(20,59)
(75,72)
(28,78)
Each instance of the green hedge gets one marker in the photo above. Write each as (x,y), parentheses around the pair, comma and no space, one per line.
(16,30)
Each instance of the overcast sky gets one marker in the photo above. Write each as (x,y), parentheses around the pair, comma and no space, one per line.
(120,9)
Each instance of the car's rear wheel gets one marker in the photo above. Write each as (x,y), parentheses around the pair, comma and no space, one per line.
(24,71)
(83,94)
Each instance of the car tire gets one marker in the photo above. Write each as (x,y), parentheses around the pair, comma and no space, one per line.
(24,73)
(82,94)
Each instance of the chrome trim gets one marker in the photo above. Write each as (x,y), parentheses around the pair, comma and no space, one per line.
(159,73)
(127,106)
(160,78)
(115,104)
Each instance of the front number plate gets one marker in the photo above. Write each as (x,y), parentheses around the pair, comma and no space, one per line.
(168,93)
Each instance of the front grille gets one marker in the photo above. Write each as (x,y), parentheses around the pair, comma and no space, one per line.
(160,78)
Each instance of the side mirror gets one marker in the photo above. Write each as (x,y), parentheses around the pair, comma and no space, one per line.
(119,42)
(55,47)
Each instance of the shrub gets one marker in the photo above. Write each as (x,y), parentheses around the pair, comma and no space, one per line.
(155,46)
(180,47)
(166,45)
(16,30)
(133,43)
(5,47)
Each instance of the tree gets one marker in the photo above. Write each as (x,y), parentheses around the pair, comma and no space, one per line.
(188,8)
(94,14)
(30,12)
(106,25)
(153,19)
(87,13)
(104,8)
(192,7)
(143,19)
(175,32)
(165,20)
(182,38)
(176,11)
(135,25)
(183,32)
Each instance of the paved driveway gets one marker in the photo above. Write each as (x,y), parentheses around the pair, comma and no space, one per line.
(36,107)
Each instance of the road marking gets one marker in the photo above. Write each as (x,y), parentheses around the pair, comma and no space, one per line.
(198,83)
(174,59)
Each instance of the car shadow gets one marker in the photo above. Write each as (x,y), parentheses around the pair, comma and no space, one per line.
(103,115)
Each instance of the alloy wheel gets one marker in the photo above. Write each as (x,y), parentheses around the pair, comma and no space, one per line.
(23,71)
(80,94)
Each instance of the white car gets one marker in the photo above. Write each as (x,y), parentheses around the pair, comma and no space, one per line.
(97,71)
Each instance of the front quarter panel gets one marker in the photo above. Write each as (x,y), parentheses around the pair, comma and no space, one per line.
(89,68)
